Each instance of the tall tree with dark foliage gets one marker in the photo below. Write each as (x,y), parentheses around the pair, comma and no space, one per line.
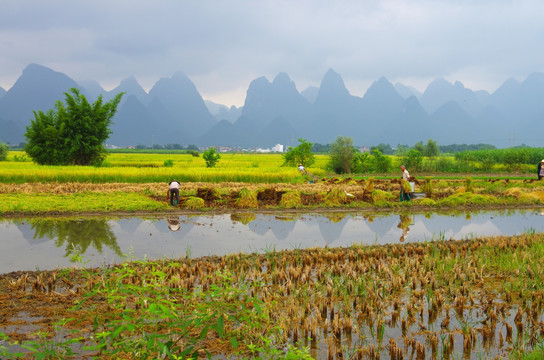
(71,134)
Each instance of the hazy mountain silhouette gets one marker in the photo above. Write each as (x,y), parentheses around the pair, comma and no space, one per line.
(183,104)
(267,101)
(132,125)
(38,88)
(276,112)
(91,89)
(451,123)
(439,92)
(310,94)
(406,91)
(131,87)
(335,111)
(224,133)
(222,112)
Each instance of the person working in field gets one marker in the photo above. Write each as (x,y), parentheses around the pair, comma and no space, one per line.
(301,169)
(173,192)
(404,194)
(540,170)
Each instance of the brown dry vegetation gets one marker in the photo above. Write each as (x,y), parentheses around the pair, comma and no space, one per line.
(472,294)
(323,193)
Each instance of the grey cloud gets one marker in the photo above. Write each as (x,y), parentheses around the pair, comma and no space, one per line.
(222,44)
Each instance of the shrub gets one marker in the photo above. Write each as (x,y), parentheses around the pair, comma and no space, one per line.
(412,160)
(445,165)
(302,154)
(211,157)
(342,155)
(168,163)
(362,163)
(383,162)
(20,158)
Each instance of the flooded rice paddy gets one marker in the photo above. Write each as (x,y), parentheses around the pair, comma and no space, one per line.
(480,299)
(48,243)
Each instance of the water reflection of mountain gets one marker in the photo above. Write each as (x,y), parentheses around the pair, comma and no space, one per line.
(381,225)
(447,226)
(280,227)
(76,236)
(331,229)
(29,234)
(129,225)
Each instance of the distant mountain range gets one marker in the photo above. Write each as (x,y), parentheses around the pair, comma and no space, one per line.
(277,113)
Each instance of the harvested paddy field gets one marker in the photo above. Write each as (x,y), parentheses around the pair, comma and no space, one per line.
(36,198)
(472,299)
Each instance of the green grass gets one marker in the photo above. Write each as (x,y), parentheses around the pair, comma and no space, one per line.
(79,202)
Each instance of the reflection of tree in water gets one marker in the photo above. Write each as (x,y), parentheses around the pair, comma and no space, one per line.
(77,235)
(332,229)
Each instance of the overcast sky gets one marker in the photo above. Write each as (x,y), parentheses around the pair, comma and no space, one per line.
(223,45)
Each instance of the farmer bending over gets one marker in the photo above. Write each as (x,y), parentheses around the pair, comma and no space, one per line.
(173,192)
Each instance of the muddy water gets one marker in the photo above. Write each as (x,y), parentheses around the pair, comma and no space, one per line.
(45,243)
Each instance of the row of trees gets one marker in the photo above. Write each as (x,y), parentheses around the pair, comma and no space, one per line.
(431,148)
(346,158)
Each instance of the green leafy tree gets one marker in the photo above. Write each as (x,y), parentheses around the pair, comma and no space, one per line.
(302,154)
(342,155)
(432,149)
(412,160)
(363,162)
(72,134)
(211,157)
(3,151)
(320,148)
(383,162)
(419,147)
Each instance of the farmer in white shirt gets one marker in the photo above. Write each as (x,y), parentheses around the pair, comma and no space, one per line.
(173,192)
(405,176)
